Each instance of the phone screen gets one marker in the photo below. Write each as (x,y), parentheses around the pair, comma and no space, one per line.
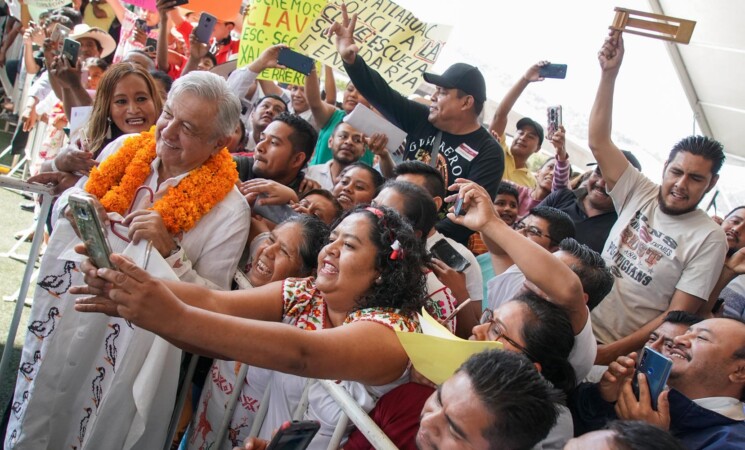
(70,51)
(295,61)
(91,230)
(656,368)
(553,71)
(204,28)
(295,435)
(445,252)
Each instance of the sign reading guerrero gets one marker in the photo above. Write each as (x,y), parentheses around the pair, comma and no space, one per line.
(271,22)
(391,39)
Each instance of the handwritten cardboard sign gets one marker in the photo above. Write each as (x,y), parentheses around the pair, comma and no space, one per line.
(271,22)
(391,40)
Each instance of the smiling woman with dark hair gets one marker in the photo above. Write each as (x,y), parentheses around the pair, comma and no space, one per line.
(369,283)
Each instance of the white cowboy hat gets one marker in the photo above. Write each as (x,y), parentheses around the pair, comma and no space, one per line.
(108,45)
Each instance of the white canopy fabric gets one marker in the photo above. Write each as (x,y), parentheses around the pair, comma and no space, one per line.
(712,67)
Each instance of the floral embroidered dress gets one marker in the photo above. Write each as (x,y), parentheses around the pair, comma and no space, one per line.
(304,308)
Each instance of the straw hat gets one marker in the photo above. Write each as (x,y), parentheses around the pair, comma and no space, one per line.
(108,45)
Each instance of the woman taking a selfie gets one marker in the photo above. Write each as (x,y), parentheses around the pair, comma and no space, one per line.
(369,283)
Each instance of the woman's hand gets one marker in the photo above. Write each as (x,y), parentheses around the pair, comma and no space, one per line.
(559,142)
(148,225)
(476,203)
(455,281)
(136,296)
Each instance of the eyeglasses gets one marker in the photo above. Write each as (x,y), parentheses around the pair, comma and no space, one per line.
(497,330)
(532,230)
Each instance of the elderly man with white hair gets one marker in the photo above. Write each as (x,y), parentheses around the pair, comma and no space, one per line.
(90,381)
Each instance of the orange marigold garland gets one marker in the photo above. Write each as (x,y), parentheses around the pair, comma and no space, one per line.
(116,180)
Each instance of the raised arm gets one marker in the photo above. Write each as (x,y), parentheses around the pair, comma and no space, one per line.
(609,157)
(329,85)
(321,110)
(499,121)
(557,281)
(161,57)
(331,354)
(118,8)
(562,168)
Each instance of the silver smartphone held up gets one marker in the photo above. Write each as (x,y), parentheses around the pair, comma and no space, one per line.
(553,114)
(92,232)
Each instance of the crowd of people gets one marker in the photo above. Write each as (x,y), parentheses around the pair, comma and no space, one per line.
(254,227)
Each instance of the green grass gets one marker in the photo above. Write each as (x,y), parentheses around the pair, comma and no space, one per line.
(12,220)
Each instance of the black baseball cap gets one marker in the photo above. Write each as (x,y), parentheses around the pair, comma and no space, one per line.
(528,122)
(629,156)
(461,76)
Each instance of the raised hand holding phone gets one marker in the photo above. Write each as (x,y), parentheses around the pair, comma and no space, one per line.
(203,30)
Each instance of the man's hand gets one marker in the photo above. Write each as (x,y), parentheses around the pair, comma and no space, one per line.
(476,202)
(274,193)
(534,72)
(610,55)
(613,378)
(736,262)
(629,408)
(344,33)
(377,143)
(60,181)
(268,59)
(197,50)
(148,225)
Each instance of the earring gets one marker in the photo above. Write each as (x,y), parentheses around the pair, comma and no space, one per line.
(108,128)
(379,280)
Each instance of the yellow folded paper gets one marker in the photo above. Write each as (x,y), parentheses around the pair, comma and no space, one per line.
(436,353)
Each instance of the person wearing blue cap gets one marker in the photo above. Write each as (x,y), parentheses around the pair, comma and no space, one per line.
(446,134)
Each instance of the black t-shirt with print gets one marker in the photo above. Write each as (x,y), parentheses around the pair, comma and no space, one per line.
(475,156)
